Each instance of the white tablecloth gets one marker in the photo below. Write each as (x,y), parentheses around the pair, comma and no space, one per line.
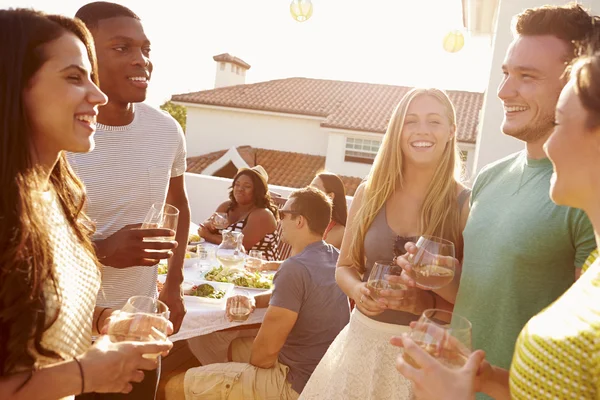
(204,318)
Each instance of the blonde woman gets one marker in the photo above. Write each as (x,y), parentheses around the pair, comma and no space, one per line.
(414,188)
(556,355)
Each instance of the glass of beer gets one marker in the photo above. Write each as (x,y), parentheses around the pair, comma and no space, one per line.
(444,335)
(434,264)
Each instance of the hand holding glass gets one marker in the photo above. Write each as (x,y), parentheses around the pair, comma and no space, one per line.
(240,307)
(448,342)
(161,215)
(378,278)
(220,220)
(142,319)
(433,266)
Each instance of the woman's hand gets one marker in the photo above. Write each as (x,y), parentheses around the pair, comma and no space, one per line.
(411,300)
(203,231)
(364,302)
(405,262)
(112,367)
(434,380)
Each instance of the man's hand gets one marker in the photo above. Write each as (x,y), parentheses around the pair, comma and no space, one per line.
(172,296)
(127,248)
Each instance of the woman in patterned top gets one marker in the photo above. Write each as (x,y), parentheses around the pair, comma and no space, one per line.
(557,355)
(249,210)
(49,277)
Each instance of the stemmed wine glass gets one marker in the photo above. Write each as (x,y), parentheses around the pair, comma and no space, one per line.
(142,319)
(378,278)
(220,220)
(161,215)
(449,342)
(433,266)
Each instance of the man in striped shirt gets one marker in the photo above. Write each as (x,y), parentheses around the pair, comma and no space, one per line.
(139,159)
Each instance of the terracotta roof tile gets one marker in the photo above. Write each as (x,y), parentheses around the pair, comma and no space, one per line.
(287,169)
(343,105)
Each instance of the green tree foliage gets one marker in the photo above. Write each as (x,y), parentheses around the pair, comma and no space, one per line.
(178,112)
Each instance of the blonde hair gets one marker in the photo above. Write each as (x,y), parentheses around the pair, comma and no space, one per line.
(440,213)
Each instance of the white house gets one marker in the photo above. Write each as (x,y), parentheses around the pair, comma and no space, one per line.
(341,123)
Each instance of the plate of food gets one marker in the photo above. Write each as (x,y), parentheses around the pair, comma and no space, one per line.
(207,292)
(241,278)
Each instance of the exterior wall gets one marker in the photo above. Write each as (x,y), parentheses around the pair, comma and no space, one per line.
(205,193)
(229,77)
(217,128)
(492,144)
(336,150)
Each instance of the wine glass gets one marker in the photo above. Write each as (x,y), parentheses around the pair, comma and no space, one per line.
(142,319)
(378,278)
(220,220)
(161,215)
(240,306)
(433,266)
(449,342)
(254,260)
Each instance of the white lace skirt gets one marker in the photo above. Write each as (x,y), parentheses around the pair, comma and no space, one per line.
(360,364)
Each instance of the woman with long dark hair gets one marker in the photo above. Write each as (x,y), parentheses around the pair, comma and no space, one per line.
(333,186)
(49,277)
(249,210)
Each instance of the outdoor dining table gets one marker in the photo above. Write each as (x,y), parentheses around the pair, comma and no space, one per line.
(203,318)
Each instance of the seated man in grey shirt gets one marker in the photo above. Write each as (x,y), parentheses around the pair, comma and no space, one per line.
(306,311)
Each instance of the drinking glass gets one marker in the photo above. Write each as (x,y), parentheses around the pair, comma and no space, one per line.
(449,342)
(240,306)
(433,265)
(142,319)
(254,261)
(220,220)
(161,215)
(378,278)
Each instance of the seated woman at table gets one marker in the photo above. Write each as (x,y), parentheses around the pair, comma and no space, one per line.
(556,354)
(249,210)
(333,187)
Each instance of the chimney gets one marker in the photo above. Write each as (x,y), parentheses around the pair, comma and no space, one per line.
(230,70)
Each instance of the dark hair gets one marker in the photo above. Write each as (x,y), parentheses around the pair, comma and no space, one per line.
(91,14)
(262,198)
(570,23)
(315,206)
(333,184)
(26,255)
(586,74)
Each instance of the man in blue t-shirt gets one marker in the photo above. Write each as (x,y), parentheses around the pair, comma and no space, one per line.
(305,313)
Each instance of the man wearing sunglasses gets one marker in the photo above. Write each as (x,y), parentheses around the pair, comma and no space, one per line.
(305,312)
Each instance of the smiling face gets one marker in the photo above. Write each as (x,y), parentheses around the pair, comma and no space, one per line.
(243,190)
(124,64)
(426,132)
(61,100)
(574,150)
(532,83)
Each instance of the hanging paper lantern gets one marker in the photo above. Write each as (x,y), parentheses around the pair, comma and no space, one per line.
(454,41)
(301,10)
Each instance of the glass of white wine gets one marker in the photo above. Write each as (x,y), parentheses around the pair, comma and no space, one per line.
(448,342)
(433,266)
(220,220)
(378,278)
(254,261)
(240,307)
(161,215)
(142,319)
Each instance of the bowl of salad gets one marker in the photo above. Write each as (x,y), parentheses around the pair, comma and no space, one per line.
(207,292)
(241,278)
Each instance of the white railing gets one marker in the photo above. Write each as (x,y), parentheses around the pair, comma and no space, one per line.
(205,193)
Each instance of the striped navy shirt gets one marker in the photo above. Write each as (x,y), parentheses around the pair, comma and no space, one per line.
(128,170)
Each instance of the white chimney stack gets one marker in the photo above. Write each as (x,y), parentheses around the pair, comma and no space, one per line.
(230,70)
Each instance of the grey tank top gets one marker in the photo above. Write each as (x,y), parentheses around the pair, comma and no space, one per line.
(379,245)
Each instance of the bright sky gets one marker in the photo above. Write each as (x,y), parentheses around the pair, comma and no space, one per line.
(396,42)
